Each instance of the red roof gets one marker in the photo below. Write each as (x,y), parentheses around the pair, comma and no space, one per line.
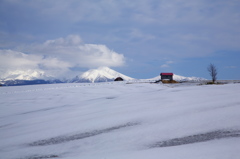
(166,74)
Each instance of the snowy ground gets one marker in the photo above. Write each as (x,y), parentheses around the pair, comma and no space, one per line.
(120,121)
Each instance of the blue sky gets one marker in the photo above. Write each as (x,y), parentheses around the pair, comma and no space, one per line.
(138,38)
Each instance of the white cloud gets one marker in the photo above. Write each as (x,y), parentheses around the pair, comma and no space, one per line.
(72,50)
(12,59)
(135,33)
(164,66)
(70,40)
(169,62)
(13,62)
(231,67)
(57,57)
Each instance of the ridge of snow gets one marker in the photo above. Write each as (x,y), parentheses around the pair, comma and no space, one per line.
(99,75)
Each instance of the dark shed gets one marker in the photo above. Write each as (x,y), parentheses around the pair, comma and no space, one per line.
(119,79)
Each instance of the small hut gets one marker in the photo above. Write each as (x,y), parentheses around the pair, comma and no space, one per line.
(119,79)
(166,76)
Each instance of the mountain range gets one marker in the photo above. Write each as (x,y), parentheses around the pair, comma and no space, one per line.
(102,74)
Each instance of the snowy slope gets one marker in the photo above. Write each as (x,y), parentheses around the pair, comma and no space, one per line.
(102,74)
(117,120)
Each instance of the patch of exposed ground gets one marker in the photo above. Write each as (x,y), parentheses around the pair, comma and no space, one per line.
(219,134)
(62,139)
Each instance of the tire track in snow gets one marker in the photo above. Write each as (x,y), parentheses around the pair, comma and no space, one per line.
(63,139)
(219,134)
(40,157)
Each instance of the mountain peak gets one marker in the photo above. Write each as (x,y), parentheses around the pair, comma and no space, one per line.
(101,74)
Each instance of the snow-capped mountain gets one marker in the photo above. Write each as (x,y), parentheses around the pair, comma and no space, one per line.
(102,74)
(26,75)
(181,78)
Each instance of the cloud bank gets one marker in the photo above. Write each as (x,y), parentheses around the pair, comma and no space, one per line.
(181,28)
(56,58)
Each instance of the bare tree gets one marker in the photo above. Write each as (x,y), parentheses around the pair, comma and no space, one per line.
(213,72)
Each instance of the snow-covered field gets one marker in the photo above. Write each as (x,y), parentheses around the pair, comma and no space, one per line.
(120,121)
